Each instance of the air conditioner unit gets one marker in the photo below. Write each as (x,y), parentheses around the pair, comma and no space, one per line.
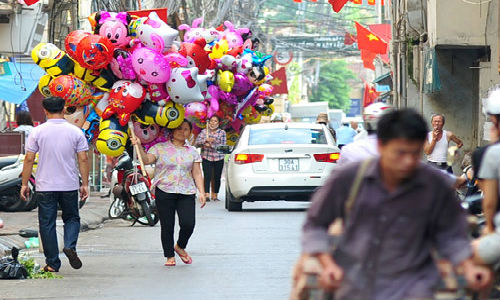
(23,31)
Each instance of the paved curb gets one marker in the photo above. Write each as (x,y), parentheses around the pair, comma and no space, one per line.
(90,218)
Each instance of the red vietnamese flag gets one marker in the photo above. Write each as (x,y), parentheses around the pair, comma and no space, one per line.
(369,95)
(367,40)
(371,2)
(279,82)
(367,57)
(337,4)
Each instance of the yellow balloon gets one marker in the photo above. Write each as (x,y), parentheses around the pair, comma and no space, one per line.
(112,137)
(225,80)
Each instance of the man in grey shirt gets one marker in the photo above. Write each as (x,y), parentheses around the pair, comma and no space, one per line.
(402,211)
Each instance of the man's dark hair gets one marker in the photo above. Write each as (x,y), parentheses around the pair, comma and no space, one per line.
(23,118)
(402,124)
(53,105)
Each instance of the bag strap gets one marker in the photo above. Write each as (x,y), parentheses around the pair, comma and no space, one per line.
(353,193)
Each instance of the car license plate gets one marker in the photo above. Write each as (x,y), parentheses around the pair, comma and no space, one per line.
(138,188)
(287,164)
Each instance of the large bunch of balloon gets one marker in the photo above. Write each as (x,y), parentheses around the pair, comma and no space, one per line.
(134,69)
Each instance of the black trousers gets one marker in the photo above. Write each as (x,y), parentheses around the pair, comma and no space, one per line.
(212,169)
(168,204)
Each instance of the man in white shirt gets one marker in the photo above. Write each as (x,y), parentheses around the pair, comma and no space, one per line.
(436,145)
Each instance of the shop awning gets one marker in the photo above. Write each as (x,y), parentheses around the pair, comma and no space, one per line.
(18,84)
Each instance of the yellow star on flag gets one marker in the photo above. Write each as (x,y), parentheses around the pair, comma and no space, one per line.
(372,37)
(276,82)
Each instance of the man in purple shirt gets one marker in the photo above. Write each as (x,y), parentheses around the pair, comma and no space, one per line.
(403,210)
(59,145)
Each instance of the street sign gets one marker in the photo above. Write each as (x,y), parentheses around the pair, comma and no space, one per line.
(355,109)
(315,43)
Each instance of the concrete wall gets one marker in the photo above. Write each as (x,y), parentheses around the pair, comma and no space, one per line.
(454,22)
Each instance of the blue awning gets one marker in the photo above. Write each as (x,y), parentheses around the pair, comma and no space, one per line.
(19,85)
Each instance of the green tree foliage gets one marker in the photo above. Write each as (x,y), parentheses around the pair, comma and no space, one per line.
(333,85)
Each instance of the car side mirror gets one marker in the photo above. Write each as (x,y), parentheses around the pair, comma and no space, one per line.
(225,149)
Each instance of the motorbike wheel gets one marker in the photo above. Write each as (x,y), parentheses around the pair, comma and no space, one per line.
(116,208)
(13,202)
(150,216)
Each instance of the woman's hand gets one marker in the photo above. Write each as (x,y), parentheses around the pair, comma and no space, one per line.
(202,199)
(135,141)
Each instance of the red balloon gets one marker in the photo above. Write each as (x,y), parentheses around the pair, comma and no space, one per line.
(94,52)
(72,40)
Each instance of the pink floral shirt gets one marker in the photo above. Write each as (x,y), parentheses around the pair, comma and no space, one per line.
(173,168)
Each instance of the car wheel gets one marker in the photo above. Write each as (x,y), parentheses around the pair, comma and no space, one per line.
(231,204)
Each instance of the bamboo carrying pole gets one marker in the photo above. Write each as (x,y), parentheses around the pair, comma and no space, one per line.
(137,149)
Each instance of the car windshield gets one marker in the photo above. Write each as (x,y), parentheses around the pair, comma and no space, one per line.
(273,136)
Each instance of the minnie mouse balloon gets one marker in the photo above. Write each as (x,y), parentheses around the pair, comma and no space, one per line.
(114,27)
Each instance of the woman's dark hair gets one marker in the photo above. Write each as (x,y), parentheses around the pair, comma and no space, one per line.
(402,124)
(23,118)
(184,121)
(53,105)
(214,116)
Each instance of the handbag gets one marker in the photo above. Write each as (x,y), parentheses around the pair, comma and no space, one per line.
(307,270)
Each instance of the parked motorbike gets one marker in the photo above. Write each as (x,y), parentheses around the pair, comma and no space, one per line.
(132,197)
(11,168)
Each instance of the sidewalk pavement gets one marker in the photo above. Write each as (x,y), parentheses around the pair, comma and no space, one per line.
(92,215)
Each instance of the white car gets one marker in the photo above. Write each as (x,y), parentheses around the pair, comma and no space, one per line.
(279,161)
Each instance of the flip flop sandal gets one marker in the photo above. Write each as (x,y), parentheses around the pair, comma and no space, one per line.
(48,268)
(185,258)
(170,263)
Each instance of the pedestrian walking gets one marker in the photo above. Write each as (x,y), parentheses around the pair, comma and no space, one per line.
(24,123)
(436,145)
(213,162)
(59,145)
(488,247)
(345,134)
(399,210)
(177,175)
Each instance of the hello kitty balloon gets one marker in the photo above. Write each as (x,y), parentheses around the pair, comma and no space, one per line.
(183,86)
(156,34)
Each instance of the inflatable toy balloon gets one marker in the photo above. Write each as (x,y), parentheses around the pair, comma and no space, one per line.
(171,115)
(121,65)
(90,127)
(183,86)
(132,26)
(210,35)
(257,75)
(156,34)
(92,21)
(193,32)
(55,61)
(225,80)
(124,98)
(244,64)
(114,27)
(242,85)
(146,133)
(269,111)
(158,93)
(232,137)
(94,52)
(203,83)
(72,40)
(43,85)
(265,90)
(219,49)
(196,112)
(258,58)
(216,93)
(213,107)
(74,91)
(112,137)
(233,35)
(153,67)
(196,55)
(76,115)
(102,79)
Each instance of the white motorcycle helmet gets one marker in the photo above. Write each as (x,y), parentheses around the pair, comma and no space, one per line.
(491,105)
(373,112)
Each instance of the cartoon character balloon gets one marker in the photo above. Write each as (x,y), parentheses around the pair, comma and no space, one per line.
(112,137)
(74,91)
(233,35)
(124,98)
(196,55)
(114,27)
(171,115)
(55,61)
(194,31)
(121,65)
(94,52)
(154,30)
(72,40)
(151,66)
(183,86)
(196,112)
